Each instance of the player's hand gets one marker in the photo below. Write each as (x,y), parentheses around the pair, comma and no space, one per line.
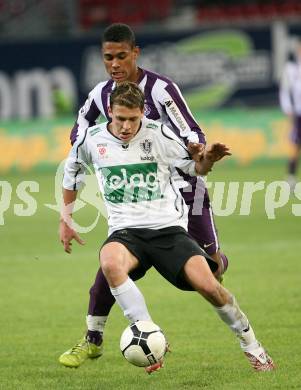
(216,152)
(67,234)
(196,150)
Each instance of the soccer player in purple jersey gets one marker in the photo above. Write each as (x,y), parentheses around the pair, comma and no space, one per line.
(290,101)
(163,102)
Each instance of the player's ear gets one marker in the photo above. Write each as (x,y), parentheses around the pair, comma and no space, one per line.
(136,51)
(110,111)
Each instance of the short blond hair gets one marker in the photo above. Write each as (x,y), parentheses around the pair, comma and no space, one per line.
(127,94)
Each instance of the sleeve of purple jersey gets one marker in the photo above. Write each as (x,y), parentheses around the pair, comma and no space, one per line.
(87,117)
(180,116)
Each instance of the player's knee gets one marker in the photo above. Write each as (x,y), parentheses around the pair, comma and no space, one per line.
(199,275)
(112,265)
(112,262)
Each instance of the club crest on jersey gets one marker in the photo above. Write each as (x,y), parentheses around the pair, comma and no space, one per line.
(146,147)
(102,149)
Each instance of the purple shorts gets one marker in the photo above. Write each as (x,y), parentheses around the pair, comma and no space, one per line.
(296,130)
(201,225)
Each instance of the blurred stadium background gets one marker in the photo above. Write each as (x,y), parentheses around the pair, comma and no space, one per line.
(223,54)
(227,57)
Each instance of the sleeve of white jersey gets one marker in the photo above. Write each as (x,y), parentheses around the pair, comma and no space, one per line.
(285,93)
(176,153)
(180,115)
(76,164)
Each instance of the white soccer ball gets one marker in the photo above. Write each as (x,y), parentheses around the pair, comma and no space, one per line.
(143,343)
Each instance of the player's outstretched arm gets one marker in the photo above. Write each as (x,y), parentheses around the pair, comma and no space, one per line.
(206,159)
(66,232)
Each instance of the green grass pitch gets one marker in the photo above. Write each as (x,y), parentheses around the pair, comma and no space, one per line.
(44,295)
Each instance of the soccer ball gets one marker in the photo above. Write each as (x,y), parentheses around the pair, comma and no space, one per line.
(143,343)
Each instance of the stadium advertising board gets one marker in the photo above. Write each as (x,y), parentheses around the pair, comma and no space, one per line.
(214,69)
(252,138)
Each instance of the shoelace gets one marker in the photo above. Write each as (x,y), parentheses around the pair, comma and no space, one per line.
(80,346)
(257,365)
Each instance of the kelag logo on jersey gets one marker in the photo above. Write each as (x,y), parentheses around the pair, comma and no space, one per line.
(131,183)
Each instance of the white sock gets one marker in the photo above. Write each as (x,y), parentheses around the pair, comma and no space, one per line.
(96,323)
(292,181)
(130,299)
(239,324)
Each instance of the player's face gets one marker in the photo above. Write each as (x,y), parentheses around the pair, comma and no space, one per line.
(125,122)
(120,61)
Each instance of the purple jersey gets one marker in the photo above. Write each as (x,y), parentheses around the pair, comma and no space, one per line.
(163,102)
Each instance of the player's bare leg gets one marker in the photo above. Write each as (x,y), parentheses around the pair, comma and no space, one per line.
(117,261)
(199,275)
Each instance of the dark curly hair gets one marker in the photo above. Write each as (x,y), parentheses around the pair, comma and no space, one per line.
(119,32)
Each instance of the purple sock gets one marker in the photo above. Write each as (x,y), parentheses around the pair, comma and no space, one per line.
(225,262)
(94,337)
(101,299)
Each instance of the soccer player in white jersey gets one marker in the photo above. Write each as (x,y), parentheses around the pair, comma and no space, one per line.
(164,102)
(147,215)
(290,101)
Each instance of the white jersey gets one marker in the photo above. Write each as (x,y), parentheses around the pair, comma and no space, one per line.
(135,178)
(290,89)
